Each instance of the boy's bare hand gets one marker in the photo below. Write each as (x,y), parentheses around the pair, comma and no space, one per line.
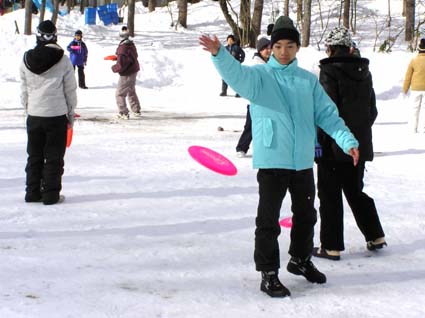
(211,45)
(354,153)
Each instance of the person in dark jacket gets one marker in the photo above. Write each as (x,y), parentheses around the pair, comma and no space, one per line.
(236,51)
(78,54)
(347,80)
(127,66)
(49,97)
(260,57)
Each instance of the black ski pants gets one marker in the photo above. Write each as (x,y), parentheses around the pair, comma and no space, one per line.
(224,87)
(333,178)
(246,137)
(81,76)
(46,149)
(273,185)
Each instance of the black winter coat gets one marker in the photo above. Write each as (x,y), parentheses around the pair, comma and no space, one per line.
(236,52)
(348,81)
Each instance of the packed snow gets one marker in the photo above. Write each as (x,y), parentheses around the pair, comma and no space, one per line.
(145,231)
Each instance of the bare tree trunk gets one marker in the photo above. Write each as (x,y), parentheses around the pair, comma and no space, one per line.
(28,17)
(256,20)
(410,20)
(42,10)
(151,5)
(306,24)
(286,8)
(403,13)
(299,11)
(346,14)
(245,14)
(353,21)
(340,12)
(130,16)
(55,11)
(182,19)
(83,5)
(236,30)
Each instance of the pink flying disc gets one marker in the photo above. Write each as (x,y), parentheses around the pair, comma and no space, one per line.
(212,160)
(286,222)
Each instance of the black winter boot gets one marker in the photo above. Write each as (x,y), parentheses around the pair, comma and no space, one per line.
(271,285)
(307,269)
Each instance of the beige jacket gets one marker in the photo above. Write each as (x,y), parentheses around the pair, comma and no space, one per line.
(415,74)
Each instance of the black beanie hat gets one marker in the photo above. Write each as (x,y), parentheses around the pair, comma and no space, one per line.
(46,27)
(422,46)
(78,32)
(270,29)
(46,32)
(284,29)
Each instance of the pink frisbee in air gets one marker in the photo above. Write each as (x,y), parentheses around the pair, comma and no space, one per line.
(212,160)
(286,222)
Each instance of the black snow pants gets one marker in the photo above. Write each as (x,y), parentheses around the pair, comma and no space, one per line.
(273,185)
(45,165)
(333,178)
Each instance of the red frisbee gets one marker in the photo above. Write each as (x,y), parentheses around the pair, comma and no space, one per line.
(212,160)
(69,134)
(110,58)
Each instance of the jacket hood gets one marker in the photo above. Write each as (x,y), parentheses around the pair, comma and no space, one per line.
(43,57)
(351,66)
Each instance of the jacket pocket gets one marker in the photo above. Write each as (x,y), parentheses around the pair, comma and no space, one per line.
(267,132)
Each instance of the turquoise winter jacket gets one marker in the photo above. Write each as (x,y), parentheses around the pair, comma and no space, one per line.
(287,105)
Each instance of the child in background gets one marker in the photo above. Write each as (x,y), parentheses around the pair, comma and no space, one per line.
(78,54)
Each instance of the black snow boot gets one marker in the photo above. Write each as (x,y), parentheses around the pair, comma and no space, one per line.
(271,285)
(307,269)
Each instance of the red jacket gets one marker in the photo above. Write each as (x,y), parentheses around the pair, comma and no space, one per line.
(127,63)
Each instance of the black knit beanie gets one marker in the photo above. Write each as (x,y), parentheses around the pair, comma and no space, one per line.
(284,29)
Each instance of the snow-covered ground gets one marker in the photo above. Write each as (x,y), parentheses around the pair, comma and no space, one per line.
(145,231)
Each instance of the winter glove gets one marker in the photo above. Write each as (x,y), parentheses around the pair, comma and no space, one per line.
(318,151)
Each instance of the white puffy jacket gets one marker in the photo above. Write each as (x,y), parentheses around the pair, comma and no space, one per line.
(51,93)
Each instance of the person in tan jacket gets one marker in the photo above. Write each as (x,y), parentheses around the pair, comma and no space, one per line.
(415,80)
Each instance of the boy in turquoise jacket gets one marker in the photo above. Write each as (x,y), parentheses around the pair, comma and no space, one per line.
(287,105)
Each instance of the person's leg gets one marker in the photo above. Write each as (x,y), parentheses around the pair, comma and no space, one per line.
(421,114)
(223,88)
(81,77)
(54,152)
(363,207)
(304,216)
(246,137)
(133,100)
(121,94)
(331,206)
(415,101)
(272,190)
(35,161)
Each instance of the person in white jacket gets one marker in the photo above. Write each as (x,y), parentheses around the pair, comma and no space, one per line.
(49,97)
